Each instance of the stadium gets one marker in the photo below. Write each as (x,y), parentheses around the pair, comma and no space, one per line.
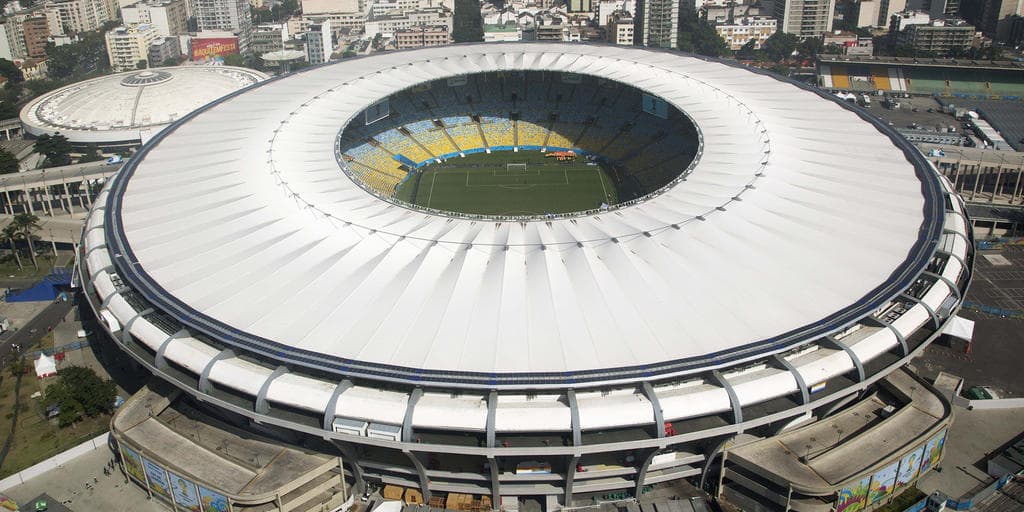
(123,110)
(679,267)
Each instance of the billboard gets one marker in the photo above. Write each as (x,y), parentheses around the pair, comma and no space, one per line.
(213,501)
(133,464)
(655,106)
(377,111)
(186,497)
(853,499)
(909,465)
(157,479)
(882,483)
(211,48)
(933,451)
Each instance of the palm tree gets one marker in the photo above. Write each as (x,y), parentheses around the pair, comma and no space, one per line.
(26,223)
(10,233)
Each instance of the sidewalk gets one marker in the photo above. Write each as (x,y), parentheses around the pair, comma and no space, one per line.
(68,485)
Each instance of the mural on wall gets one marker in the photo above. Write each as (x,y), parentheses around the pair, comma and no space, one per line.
(853,499)
(157,479)
(933,451)
(133,464)
(213,501)
(185,494)
(882,483)
(909,465)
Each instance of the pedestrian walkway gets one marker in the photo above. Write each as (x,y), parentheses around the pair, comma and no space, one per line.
(82,486)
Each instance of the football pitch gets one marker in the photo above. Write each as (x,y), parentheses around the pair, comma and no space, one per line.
(509,183)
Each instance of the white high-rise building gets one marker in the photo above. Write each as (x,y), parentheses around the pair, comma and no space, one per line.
(168,16)
(225,15)
(126,46)
(805,18)
(79,15)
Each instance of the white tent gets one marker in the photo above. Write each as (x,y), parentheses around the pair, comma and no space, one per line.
(959,327)
(45,366)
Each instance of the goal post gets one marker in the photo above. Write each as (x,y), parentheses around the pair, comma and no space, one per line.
(513,169)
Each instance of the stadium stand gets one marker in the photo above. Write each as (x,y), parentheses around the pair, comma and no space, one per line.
(532,111)
(936,77)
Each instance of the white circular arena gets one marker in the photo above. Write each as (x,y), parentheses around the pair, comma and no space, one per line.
(252,257)
(129,108)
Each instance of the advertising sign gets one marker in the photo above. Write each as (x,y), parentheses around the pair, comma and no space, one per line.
(206,49)
(133,464)
(909,465)
(933,451)
(185,495)
(157,479)
(213,501)
(882,483)
(853,499)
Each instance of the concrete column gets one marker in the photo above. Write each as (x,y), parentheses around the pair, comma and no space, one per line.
(1016,186)
(67,194)
(570,478)
(53,244)
(421,472)
(495,483)
(8,207)
(977,180)
(995,188)
(348,453)
(28,200)
(641,476)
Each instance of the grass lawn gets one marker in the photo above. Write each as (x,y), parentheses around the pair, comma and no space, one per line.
(9,268)
(36,438)
(481,183)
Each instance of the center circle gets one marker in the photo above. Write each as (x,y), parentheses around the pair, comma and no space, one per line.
(519,144)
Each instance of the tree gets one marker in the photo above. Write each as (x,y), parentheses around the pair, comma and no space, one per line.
(10,233)
(55,148)
(780,46)
(91,154)
(142,64)
(25,224)
(748,51)
(810,48)
(10,71)
(8,162)
(698,36)
(79,391)
(467,23)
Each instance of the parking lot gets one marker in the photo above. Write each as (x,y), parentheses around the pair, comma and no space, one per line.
(994,358)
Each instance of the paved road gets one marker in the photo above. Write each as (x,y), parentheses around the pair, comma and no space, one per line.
(35,328)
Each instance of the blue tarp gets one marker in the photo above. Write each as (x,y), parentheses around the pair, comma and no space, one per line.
(45,290)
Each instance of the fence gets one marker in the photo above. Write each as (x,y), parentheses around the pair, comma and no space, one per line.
(1005,313)
(968,503)
(54,462)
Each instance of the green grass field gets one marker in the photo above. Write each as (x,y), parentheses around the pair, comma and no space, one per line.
(483,184)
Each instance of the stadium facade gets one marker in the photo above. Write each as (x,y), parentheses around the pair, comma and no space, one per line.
(779,281)
(123,110)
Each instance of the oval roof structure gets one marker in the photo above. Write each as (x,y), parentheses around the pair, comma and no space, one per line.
(131,106)
(799,217)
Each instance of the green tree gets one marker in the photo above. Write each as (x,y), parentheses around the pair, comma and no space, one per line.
(142,64)
(11,72)
(75,60)
(467,23)
(55,148)
(8,162)
(284,9)
(698,36)
(91,154)
(748,51)
(26,224)
(780,46)
(79,391)
(10,233)
(810,48)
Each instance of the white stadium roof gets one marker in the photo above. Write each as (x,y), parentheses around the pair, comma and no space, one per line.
(131,106)
(798,218)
